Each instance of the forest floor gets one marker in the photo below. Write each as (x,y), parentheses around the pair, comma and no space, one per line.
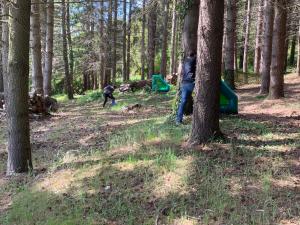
(110,166)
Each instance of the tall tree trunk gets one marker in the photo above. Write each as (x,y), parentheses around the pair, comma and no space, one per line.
(49,48)
(241,50)
(278,53)
(152,19)
(286,53)
(143,41)
(129,40)
(230,42)
(246,43)
(205,125)
(114,44)
(5,39)
(267,46)
(70,44)
(189,44)
(163,67)
(173,38)
(298,60)
(68,79)
(102,47)
(258,38)
(108,70)
(16,89)
(43,22)
(124,40)
(1,47)
(293,51)
(37,73)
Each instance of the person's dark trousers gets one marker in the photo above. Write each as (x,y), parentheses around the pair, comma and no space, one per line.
(106,97)
(187,89)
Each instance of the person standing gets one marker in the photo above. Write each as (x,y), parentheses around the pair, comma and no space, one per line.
(187,84)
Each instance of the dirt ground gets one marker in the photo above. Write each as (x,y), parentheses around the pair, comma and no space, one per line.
(78,128)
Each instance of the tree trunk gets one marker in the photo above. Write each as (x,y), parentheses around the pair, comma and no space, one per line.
(173,38)
(246,43)
(152,17)
(49,49)
(129,41)
(1,47)
(37,73)
(43,22)
(143,56)
(124,41)
(293,51)
(267,47)
(114,44)
(298,60)
(286,53)
(189,44)
(163,67)
(16,89)
(278,53)
(258,38)
(68,79)
(102,47)
(108,70)
(5,39)
(205,125)
(70,44)
(230,42)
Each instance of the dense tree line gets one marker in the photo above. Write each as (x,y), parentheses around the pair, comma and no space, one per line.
(77,46)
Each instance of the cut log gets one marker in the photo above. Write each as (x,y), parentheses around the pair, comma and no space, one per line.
(172,78)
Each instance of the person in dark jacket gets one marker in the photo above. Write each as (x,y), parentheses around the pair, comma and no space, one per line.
(187,84)
(108,93)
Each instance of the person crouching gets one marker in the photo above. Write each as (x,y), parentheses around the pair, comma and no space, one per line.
(108,93)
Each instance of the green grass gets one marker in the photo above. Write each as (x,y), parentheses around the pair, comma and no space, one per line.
(144,173)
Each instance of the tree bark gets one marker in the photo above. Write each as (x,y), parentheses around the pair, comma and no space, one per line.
(246,43)
(298,60)
(49,49)
(108,70)
(68,79)
(37,73)
(267,46)
(189,44)
(129,41)
(258,38)
(278,52)
(16,89)
(43,22)
(205,125)
(173,38)
(70,44)
(293,52)
(152,19)
(102,47)
(163,67)
(5,39)
(114,44)
(124,41)
(143,55)
(1,47)
(230,42)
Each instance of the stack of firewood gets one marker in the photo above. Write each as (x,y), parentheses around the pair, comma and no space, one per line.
(172,78)
(37,103)
(136,85)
